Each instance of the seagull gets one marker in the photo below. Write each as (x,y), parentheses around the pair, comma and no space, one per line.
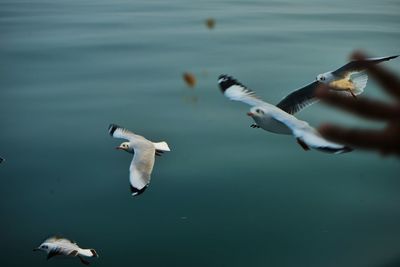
(59,246)
(273,119)
(143,159)
(348,79)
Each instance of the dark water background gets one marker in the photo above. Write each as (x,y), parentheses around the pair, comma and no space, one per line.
(227,195)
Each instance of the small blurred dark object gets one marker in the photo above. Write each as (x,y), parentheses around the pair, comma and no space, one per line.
(385,141)
(210,23)
(1,159)
(190,79)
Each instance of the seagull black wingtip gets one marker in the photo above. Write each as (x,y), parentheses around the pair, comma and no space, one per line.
(347,149)
(136,192)
(112,128)
(222,76)
(331,150)
(94,253)
(226,81)
(388,58)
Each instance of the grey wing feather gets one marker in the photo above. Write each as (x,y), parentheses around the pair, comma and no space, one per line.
(141,167)
(299,99)
(117,131)
(58,238)
(359,65)
(307,134)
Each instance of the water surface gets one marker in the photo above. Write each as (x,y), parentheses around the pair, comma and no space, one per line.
(227,195)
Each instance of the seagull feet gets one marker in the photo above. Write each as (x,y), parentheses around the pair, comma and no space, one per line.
(159,152)
(302,144)
(254,126)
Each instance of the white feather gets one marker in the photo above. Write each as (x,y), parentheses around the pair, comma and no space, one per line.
(359,81)
(300,129)
(239,93)
(163,146)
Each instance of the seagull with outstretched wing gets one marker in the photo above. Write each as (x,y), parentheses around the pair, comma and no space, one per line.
(273,119)
(143,159)
(60,246)
(349,79)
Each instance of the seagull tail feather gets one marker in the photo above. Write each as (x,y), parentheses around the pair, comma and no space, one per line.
(162,146)
(90,252)
(359,81)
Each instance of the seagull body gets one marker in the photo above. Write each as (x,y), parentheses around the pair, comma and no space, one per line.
(59,246)
(143,160)
(273,119)
(349,79)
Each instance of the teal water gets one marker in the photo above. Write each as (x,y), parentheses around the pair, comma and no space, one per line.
(227,195)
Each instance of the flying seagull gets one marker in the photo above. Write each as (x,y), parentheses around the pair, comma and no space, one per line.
(273,119)
(349,79)
(59,246)
(143,158)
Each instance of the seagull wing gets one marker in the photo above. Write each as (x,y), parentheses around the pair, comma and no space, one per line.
(359,65)
(299,99)
(63,240)
(236,91)
(141,166)
(120,132)
(307,135)
(58,238)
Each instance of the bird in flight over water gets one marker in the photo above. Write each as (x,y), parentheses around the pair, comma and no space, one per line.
(143,159)
(350,79)
(273,119)
(59,246)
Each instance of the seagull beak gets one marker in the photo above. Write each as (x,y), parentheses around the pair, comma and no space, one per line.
(36,249)
(119,148)
(250,114)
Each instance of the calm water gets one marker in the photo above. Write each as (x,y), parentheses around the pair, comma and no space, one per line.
(227,195)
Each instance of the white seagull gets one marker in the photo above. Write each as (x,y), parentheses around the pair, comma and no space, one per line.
(59,246)
(274,119)
(348,79)
(143,158)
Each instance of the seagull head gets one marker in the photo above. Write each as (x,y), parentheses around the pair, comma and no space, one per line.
(256,112)
(326,77)
(46,247)
(321,78)
(125,146)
